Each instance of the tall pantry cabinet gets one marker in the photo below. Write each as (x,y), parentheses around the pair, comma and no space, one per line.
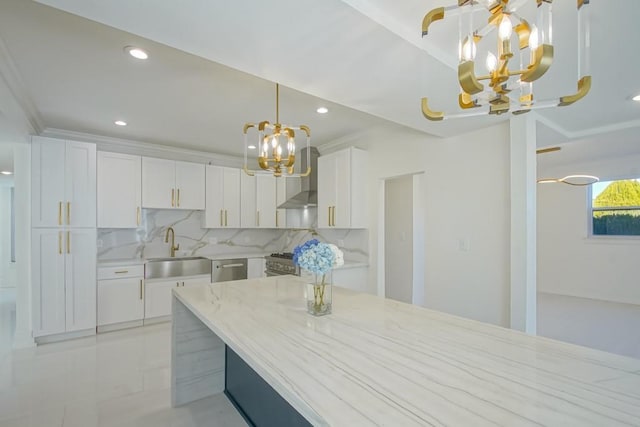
(63,221)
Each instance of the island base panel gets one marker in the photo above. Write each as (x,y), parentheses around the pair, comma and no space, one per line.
(197,358)
(257,401)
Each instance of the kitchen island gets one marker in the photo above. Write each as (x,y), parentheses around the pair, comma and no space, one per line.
(375,361)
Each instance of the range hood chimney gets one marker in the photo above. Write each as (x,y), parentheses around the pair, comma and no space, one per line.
(308,196)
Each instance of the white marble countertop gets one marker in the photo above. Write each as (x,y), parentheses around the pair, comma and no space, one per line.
(375,361)
(120,262)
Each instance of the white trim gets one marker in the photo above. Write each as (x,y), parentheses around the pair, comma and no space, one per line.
(129,146)
(381,251)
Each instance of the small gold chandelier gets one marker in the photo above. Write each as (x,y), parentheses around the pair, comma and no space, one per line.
(507,87)
(276,145)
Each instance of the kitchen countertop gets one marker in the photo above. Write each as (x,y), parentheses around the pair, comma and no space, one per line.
(120,262)
(383,362)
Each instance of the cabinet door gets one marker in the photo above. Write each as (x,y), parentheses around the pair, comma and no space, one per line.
(214,197)
(47,187)
(195,280)
(80,277)
(157,298)
(255,268)
(158,183)
(119,190)
(190,184)
(342,204)
(232,197)
(326,189)
(248,199)
(281,197)
(120,300)
(266,200)
(80,184)
(47,248)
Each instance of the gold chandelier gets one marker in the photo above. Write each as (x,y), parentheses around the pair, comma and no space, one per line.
(276,145)
(509,86)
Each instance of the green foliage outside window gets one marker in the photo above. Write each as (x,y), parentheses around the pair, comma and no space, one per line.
(618,222)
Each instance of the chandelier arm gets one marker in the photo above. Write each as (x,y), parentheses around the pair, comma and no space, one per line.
(434,15)
(429,113)
(584,86)
(543,60)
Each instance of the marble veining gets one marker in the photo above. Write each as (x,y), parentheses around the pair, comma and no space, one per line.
(147,241)
(375,361)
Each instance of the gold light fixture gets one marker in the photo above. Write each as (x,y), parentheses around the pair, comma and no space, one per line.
(276,145)
(509,86)
(577,180)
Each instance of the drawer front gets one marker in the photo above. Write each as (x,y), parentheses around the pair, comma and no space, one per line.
(121,272)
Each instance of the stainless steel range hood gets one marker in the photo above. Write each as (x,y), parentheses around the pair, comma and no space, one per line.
(308,196)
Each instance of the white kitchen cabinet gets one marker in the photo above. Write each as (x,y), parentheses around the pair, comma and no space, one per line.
(64,280)
(120,296)
(222,197)
(63,183)
(255,268)
(170,184)
(258,201)
(342,189)
(119,190)
(157,297)
(281,197)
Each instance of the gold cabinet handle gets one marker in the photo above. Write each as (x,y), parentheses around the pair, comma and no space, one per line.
(183,284)
(138,215)
(121,272)
(68,242)
(68,213)
(178,191)
(225,218)
(141,289)
(221,224)
(277,225)
(329,217)
(173,194)
(60,241)
(333,218)
(177,284)
(59,213)
(258,218)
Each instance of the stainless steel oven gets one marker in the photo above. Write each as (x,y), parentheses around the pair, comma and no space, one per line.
(279,264)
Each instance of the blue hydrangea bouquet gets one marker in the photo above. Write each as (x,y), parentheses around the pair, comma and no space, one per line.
(318,258)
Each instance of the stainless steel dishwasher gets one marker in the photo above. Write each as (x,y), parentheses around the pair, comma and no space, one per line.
(223,270)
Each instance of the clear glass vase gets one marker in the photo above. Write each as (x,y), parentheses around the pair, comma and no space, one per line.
(318,295)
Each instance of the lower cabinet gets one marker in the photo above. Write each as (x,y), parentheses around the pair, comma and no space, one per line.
(157,298)
(255,268)
(64,281)
(354,278)
(120,296)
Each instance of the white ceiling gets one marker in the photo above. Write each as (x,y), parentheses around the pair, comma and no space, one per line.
(365,56)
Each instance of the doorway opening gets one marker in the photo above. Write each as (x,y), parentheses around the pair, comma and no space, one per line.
(401,239)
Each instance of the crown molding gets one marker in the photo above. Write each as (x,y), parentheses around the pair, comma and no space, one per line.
(129,146)
(356,139)
(11,76)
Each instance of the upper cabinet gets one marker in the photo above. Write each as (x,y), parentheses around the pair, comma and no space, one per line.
(170,184)
(119,190)
(259,201)
(342,189)
(63,183)
(222,197)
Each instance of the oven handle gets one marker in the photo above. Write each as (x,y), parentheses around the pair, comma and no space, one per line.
(230,265)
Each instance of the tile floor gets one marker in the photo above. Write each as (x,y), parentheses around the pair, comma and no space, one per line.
(114,379)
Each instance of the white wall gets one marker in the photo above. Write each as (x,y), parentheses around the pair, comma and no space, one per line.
(571,263)
(466,201)
(399,238)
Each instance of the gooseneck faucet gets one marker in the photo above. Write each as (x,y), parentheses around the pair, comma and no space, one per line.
(174,247)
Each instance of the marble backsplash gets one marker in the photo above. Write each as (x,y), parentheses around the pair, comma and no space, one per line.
(147,241)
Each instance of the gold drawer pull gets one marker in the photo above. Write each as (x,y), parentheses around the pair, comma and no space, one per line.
(122,272)
(173,195)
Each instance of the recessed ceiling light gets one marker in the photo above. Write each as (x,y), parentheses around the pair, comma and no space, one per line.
(251,147)
(6,173)
(120,123)
(636,98)
(322,110)
(136,52)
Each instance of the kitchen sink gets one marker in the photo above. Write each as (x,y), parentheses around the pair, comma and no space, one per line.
(161,268)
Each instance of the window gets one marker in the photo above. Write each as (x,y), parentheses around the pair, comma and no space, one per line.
(615,208)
